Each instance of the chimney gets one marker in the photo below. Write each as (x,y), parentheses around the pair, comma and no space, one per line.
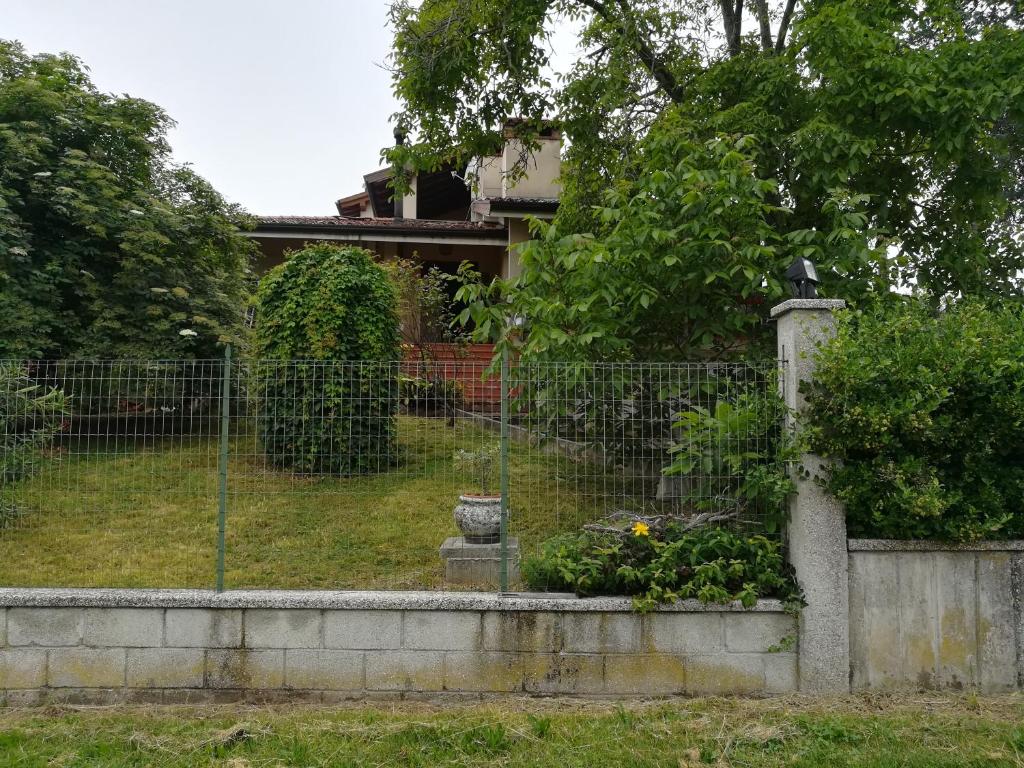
(543,166)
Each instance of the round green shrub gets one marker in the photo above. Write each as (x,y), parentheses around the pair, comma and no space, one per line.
(924,414)
(327,378)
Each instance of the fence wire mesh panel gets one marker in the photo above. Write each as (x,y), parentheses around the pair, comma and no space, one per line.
(108,472)
(346,475)
(607,444)
(312,474)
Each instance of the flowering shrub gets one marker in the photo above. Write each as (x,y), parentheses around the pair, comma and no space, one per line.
(659,563)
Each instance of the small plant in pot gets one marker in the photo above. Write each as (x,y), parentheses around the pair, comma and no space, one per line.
(478,515)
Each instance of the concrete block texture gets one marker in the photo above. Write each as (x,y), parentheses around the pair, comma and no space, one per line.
(267,628)
(165,668)
(86,668)
(3,627)
(404,671)
(44,627)
(1000,658)
(202,654)
(659,674)
(441,630)
(22,668)
(244,668)
(325,670)
(487,671)
(728,673)
(363,629)
(934,620)
(563,673)
(817,524)
(522,631)
(123,627)
(759,632)
(701,633)
(202,628)
(603,633)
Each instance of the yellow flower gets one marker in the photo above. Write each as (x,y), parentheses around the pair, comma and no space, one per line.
(641,529)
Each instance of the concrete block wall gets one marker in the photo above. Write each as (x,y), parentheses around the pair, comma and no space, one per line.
(934,616)
(98,646)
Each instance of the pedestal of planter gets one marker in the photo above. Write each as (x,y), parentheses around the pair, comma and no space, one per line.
(478,565)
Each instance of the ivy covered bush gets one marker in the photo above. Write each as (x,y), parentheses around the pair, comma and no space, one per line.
(332,311)
(924,413)
(660,563)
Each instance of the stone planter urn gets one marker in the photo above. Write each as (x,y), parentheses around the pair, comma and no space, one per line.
(479,518)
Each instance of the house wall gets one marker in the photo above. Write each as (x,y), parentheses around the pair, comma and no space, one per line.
(925,615)
(518,233)
(543,168)
(489,171)
(173,646)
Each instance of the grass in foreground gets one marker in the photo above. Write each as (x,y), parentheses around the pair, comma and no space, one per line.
(878,732)
(109,515)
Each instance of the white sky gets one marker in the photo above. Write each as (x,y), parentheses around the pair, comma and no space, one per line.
(282,105)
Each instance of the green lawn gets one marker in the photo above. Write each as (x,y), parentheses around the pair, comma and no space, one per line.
(102,514)
(879,732)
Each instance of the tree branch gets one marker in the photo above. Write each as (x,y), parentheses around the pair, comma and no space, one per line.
(732,20)
(653,63)
(766,27)
(787,16)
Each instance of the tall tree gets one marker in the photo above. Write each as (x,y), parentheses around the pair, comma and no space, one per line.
(106,248)
(898,124)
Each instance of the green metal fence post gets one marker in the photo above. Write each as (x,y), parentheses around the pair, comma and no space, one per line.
(222,500)
(503,572)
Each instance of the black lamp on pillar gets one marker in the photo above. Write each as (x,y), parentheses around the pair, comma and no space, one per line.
(803,278)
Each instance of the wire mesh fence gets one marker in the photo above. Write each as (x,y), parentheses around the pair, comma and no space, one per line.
(313,474)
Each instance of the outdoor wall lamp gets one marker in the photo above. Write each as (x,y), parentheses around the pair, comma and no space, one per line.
(803,278)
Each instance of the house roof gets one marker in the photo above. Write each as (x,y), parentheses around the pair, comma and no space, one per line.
(357,222)
(437,192)
(516,207)
(337,224)
(353,204)
(539,204)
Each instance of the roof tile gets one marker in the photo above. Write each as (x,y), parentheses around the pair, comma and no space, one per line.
(354,223)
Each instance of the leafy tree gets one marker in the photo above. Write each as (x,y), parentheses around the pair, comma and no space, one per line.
(106,248)
(881,138)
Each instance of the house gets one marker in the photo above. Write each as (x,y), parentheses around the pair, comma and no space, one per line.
(476,214)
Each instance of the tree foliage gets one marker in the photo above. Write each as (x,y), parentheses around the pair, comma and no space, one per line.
(924,414)
(884,139)
(107,249)
(690,259)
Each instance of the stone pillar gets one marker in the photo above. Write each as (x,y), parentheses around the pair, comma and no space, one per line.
(817,521)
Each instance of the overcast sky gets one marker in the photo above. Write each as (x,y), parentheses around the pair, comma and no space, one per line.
(281,104)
